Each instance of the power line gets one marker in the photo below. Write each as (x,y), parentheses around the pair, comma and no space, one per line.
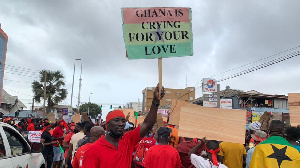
(254,67)
(18,92)
(16,81)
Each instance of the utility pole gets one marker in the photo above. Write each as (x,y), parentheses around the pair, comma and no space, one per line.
(44,113)
(72,87)
(218,96)
(79,89)
(89,103)
(78,59)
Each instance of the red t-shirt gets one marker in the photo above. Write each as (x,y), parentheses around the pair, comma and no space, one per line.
(183,149)
(58,132)
(162,156)
(102,154)
(147,142)
(30,127)
(68,139)
(77,160)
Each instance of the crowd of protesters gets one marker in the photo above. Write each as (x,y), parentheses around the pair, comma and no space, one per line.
(119,144)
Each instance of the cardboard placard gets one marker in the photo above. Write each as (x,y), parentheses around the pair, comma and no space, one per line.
(34,136)
(51,118)
(159,122)
(131,113)
(76,118)
(294,107)
(175,110)
(213,123)
(85,117)
(140,120)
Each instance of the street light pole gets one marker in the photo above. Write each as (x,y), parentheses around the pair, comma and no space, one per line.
(89,103)
(79,88)
(73,84)
(90,97)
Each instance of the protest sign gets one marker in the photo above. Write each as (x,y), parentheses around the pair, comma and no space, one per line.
(85,117)
(34,136)
(51,118)
(157,32)
(76,118)
(159,122)
(140,119)
(175,111)
(213,123)
(163,112)
(131,113)
(294,107)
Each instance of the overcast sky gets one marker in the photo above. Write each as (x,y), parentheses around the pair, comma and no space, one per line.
(226,34)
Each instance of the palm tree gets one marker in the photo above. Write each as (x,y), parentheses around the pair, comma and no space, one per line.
(55,92)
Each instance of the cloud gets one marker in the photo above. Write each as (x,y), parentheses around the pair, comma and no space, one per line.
(52,34)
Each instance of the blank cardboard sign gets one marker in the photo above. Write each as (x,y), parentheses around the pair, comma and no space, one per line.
(294,107)
(76,118)
(131,112)
(175,110)
(51,118)
(213,123)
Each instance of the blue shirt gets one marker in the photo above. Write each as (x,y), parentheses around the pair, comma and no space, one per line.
(249,157)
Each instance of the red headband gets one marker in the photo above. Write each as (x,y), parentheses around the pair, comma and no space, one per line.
(114,114)
(213,155)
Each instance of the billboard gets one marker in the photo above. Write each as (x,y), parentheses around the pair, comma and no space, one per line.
(210,104)
(226,103)
(157,32)
(64,111)
(209,85)
(3,49)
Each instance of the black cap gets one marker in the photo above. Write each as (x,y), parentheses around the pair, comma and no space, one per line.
(164,131)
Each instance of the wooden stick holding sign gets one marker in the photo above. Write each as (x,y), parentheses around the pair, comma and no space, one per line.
(159,74)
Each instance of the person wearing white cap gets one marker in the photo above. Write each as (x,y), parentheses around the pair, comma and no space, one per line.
(255,126)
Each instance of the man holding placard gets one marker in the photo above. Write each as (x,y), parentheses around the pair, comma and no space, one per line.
(115,149)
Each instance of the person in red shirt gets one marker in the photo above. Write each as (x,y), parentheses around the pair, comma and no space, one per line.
(58,134)
(162,155)
(30,126)
(95,133)
(141,149)
(184,148)
(66,142)
(115,149)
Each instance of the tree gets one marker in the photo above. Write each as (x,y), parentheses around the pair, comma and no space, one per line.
(93,109)
(55,91)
